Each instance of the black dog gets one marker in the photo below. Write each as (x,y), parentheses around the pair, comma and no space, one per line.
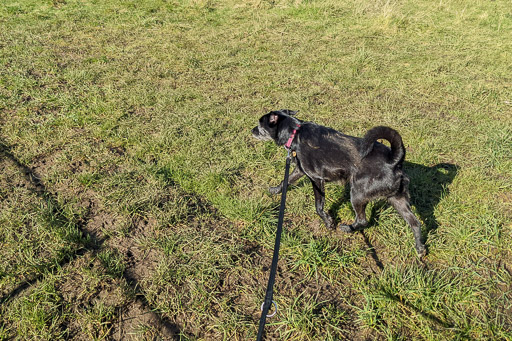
(324,154)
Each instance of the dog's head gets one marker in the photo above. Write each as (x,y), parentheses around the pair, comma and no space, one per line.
(276,125)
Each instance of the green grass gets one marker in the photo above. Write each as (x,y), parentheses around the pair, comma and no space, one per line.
(133,199)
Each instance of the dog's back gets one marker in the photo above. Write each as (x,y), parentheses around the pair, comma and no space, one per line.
(327,152)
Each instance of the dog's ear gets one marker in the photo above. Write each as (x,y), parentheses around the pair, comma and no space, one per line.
(273,118)
(288,112)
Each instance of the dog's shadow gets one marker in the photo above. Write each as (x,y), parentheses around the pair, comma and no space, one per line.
(428,186)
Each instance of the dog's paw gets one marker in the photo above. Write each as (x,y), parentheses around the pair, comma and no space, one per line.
(422,251)
(346,228)
(275,190)
(331,225)
(329,222)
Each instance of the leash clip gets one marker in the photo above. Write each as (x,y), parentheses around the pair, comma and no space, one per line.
(275,306)
(291,153)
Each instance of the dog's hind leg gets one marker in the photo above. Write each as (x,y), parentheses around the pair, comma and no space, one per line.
(294,176)
(401,204)
(319,190)
(359,206)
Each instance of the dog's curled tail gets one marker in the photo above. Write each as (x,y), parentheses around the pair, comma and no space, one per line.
(386,133)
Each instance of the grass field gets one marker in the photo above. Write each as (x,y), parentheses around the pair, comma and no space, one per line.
(133,199)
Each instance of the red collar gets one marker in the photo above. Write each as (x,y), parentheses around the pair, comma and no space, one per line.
(288,144)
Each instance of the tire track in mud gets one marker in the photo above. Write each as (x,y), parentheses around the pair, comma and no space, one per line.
(138,311)
(32,182)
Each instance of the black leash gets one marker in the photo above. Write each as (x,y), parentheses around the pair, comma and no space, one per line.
(270,286)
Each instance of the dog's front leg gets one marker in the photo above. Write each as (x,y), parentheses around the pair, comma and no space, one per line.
(296,175)
(319,190)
